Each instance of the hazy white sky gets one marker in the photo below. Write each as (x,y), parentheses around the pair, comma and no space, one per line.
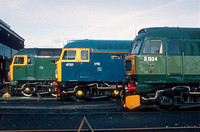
(51,23)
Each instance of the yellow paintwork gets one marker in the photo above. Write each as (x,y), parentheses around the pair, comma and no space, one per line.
(59,68)
(6,95)
(12,64)
(132,58)
(11,72)
(132,101)
(27,89)
(116,92)
(78,59)
(79,92)
(78,55)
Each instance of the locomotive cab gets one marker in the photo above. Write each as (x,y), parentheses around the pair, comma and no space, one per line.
(75,63)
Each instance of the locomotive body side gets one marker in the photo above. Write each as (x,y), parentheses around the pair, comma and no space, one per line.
(165,59)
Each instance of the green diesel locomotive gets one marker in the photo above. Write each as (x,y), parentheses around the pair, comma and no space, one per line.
(33,71)
(164,67)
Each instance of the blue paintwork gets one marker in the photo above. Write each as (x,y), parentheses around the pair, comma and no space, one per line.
(101,67)
(100,45)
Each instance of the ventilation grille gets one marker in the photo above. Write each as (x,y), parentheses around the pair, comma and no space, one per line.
(194,34)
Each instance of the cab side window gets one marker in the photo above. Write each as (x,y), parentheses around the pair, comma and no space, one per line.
(84,55)
(153,47)
(69,55)
(30,60)
(173,47)
(19,60)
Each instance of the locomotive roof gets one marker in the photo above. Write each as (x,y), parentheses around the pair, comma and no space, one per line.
(189,33)
(40,51)
(101,45)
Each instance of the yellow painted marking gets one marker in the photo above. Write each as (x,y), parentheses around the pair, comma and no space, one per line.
(55,89)
(6,95)
(79,92)
(81,125)
(116,92)
(59,70)
(27,89)
(38,98)
(82,122)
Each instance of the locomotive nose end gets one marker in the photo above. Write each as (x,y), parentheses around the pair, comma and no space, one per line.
(132,102)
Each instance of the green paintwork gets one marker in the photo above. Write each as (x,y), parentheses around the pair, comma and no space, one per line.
(31,69)
(174,65)
(167,68)
(28,51)
(46,69)
(13,83)
(19,72)
(142,88)
(41,69)
(42,66)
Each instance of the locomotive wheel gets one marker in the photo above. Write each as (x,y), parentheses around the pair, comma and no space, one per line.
(28,91)
(166,103)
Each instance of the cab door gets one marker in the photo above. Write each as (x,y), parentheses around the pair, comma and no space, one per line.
(70,65)
(30,68)
(18,67)
(74,64)
(174,59)
(84,64)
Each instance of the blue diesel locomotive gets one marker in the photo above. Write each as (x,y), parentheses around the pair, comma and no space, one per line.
(91,68)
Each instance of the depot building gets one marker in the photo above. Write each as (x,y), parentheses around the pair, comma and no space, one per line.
(10,44)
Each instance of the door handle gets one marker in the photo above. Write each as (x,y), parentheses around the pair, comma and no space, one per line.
(170,59)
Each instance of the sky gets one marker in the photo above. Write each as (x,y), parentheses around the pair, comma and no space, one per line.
(52,23)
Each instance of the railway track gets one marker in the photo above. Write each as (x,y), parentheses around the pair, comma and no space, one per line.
(169,129)
(19,114)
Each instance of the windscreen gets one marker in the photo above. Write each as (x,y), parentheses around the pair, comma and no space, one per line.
(135,47)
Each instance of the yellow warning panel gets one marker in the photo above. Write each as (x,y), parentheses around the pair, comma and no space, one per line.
(132,101)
